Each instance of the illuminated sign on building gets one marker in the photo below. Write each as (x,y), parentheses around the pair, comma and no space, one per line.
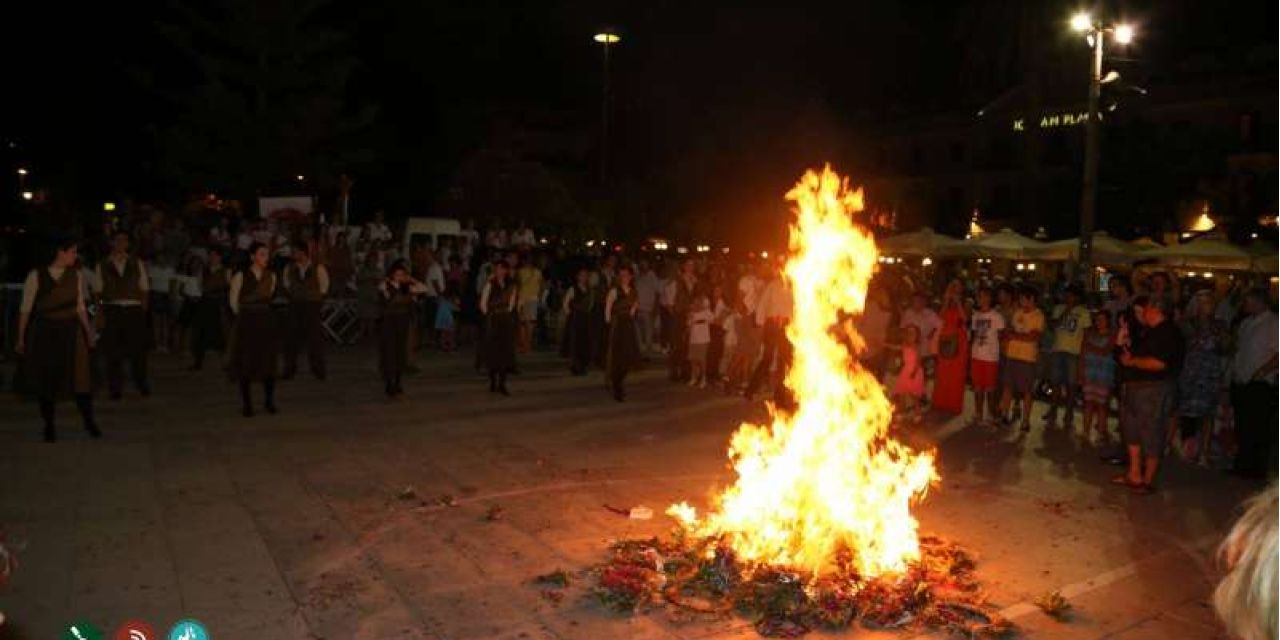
(1055,120)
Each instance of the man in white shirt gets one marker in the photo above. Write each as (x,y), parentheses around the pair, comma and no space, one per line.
(648,290)
(750,286)
(377,231)
(1253,387)
(926,321)
(523,238)
(773,313)
(306,285)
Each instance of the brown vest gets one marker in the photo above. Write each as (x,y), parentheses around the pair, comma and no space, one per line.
(56,299)
(254,292)
(622,302)
(214,283)
(304,289)
(117,286)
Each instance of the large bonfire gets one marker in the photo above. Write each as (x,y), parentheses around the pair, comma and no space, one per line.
(826,479)
(817,530)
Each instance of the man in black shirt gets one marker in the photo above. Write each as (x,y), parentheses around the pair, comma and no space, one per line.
(1149,371)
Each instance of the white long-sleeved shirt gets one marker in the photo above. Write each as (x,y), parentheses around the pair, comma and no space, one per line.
(648,288)
(775,301)
(237,283)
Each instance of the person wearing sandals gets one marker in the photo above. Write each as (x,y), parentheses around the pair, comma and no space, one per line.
(1149,369)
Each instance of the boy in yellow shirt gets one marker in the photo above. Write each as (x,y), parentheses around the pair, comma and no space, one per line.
(1021,352)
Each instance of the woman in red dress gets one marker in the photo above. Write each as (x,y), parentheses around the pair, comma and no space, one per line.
(953,353)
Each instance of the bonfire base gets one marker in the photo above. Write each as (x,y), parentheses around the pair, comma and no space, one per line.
(703,577)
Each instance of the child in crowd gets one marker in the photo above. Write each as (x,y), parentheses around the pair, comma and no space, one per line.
(1022,352)
(742,356)
(700,319)
(446,305)
(985,326)
(908,390)
(1098,365)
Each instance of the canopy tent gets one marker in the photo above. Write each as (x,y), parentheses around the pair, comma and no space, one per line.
(1107,250)
(1267,264)
(1005,243)
(1203,253)
(1146,243)
(924,242)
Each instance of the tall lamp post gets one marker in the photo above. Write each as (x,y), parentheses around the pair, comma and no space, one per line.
(606,39)
(1095,33)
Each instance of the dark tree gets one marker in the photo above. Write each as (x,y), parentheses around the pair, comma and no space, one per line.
(270,99)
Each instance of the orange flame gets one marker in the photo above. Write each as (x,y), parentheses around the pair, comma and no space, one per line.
(827,478)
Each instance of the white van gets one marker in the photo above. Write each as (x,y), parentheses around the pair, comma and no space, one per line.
(429,231)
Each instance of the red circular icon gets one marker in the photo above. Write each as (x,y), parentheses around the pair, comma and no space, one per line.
(135,630)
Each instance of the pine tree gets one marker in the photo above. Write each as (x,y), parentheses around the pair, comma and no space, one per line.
(269,100)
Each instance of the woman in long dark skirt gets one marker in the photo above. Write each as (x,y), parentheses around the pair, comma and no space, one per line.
(255,337)
(624,347)
(54,337)
(209,323)
(399,293)
(578,309)
(498,304)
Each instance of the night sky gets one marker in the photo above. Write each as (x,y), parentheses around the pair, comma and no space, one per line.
(717,107)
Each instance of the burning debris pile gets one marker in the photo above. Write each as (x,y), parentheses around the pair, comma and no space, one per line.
(705,576)
(816,530)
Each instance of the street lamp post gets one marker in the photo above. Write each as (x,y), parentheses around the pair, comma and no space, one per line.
(606,39)
(1096,35)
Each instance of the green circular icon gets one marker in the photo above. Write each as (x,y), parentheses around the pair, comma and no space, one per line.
(82,630)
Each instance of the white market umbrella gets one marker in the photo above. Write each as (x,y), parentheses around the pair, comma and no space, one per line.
(1202,253)
(1267,264)
(1005,243)
(922,243)
(1107,250)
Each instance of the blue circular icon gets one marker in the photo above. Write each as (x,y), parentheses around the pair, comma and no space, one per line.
(188,629)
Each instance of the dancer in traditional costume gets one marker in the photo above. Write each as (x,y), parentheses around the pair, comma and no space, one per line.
(498,304)
(255,341)
(210,320)
(54,336)
(123,288)
(398,293)
(578,308)
(624,347)
(307,285)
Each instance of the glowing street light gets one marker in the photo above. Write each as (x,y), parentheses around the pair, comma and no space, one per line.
(1081,22)
(108,206)
(1123,33)
(27,195)
(301,177)
(606,39)
(22,171)
(1095,34)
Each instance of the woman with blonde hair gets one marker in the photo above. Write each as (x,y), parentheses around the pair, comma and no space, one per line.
(1246,599)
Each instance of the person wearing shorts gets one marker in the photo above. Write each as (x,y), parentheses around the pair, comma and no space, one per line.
(1021,352)
(1070,322)
(984,358)
(1150,370)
